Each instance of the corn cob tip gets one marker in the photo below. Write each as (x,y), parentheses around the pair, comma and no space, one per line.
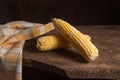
(56,20)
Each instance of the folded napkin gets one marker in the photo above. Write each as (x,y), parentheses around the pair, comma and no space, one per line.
(12,39)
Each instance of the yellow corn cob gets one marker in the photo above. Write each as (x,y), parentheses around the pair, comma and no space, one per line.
(52,42)
(84,46)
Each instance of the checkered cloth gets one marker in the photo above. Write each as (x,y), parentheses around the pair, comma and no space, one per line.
(12,39)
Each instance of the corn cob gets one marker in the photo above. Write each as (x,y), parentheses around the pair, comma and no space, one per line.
(53,42)
(84,46)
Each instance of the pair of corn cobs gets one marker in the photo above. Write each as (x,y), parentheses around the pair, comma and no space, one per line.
(68,36)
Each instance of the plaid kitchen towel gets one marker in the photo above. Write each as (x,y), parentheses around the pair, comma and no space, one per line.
(12,39)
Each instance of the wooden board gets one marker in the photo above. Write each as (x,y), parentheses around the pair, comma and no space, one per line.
(68,63)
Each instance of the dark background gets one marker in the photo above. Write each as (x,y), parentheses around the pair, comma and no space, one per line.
(74,11)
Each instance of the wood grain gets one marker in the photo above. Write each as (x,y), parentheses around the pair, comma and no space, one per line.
(68,63)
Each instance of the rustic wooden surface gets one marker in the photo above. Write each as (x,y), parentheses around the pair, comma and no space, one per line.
(68,63)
